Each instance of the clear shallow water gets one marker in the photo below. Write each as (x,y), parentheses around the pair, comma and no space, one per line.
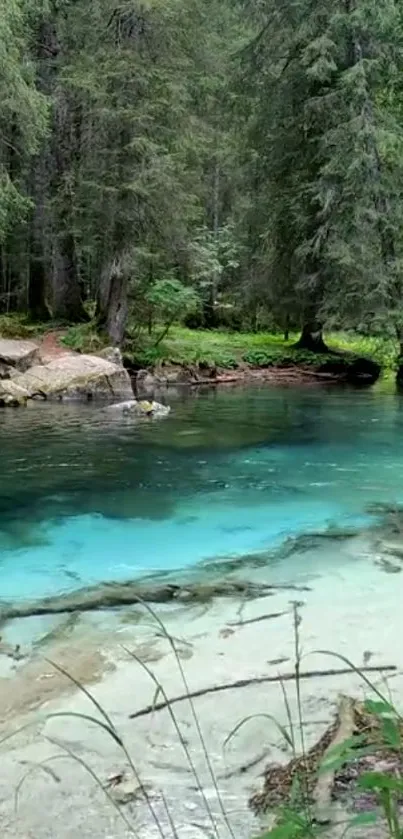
(85,497)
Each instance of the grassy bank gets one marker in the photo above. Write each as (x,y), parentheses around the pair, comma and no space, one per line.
(220,348)
(229,349)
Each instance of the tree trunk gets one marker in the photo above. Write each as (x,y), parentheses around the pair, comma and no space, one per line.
(112,302)
(312,338)
(37,307)
(38,258)
(399,370)
(65,282)
(209,315)
(66,299)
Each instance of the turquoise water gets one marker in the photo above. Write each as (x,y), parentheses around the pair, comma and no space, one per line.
(86,497)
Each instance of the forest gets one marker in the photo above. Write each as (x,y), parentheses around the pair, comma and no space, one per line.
(225,163)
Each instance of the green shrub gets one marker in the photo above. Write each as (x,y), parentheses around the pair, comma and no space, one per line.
(168,300)
(15,325)
(262,358)
(148,357)
(84,338)
(218,359)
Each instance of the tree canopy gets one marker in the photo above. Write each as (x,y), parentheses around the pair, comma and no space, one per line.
(161,158)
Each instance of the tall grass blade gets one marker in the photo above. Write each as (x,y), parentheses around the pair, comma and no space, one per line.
(283,731)
(289,716)
(44,767)
(166,634)
(15,733)
(354,669)
(97,780)
(161,689)
(109,727)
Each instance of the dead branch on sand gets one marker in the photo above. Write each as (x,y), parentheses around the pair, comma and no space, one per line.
(257,680)
(257,620)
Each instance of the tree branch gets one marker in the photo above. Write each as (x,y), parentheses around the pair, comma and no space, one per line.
(258,680)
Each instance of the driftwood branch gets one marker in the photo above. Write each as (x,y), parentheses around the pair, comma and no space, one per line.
(257,680)
(322,795)
(257,620)
(115,595)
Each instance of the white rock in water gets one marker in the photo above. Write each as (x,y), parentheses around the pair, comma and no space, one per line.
(141,408)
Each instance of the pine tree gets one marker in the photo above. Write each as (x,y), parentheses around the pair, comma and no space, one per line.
(23,124)
(330,153)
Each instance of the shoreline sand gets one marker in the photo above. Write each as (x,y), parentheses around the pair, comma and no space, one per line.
(353,608)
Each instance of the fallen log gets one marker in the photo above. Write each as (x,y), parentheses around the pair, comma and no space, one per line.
(322,794)
(258,680)
(115,595)
(295,784)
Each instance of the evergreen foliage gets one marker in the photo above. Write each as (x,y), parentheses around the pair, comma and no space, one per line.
(246,155)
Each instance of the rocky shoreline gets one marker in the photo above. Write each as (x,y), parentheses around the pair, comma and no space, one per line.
(338,370)
(46,370)
(27,372)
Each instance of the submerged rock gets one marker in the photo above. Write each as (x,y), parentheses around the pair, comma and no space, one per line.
(80,377)
(141,408)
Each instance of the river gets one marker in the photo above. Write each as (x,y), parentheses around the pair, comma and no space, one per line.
(224,486)
(86,498)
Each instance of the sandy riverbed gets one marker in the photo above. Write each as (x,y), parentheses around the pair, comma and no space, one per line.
(353,609)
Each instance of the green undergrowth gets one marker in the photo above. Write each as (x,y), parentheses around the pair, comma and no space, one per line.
(264,349)
(19,326)
(218,348)
(84,337)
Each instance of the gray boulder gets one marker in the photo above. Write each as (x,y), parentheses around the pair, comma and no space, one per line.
(73,377)
(18,354)
(112,354)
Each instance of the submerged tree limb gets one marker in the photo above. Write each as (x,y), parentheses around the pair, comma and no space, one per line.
(115,595)
(258,680)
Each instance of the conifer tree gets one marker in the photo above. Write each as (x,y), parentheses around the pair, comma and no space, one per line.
(329,146)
